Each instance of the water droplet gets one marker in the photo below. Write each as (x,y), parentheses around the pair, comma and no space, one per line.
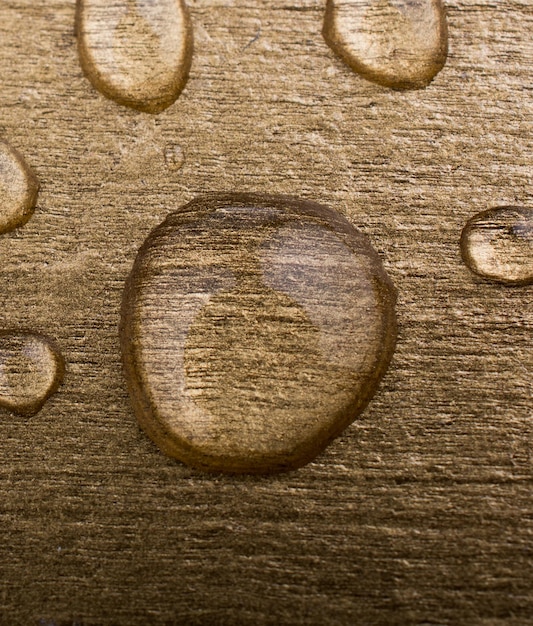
(401,44)
(137,52)
(174,157)
(31,370)
(254,330)
(498,244)
(18,189)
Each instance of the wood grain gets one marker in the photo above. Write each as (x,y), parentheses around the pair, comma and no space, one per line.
(421,513)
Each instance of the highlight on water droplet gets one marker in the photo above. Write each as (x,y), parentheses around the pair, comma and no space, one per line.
(401,44)
(18,189)
(497,244)
(136,52)
(31,370)
(254,329)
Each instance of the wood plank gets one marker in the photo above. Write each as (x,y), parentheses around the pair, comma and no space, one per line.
(420,513)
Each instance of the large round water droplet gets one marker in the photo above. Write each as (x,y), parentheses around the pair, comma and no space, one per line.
(31,370)
(254,330)
(401,44)
(18,189)
(498,244)
(137,52)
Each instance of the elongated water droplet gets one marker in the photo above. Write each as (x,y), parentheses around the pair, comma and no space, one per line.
(137,52)
(18,189)
(254,330)
(498,244)
(31,370)
(401,44)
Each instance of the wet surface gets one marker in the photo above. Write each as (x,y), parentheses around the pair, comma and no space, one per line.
(256,328)
(498,245)
(401,44)
(134,51)
(31,370)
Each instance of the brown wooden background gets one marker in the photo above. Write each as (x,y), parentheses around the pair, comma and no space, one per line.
(422,512)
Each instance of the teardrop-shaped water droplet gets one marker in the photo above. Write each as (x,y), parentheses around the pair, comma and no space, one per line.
(498,244)
(254,330)
(18,189)
(137,52)
(401,44)
(31,370)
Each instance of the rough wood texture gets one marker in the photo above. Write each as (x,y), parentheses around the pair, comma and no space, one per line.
(254,330)
(421,513)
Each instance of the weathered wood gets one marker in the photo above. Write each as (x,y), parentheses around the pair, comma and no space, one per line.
(421,512)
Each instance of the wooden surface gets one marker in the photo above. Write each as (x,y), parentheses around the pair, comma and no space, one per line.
(421,512)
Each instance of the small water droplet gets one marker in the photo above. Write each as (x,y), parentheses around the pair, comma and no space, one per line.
(18,189)
(400,44)
(136,52)
(174,157)
(254,330)
(31,370)
(498,244)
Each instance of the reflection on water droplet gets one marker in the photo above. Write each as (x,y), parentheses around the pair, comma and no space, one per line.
(18,189)
(137,52)
(498,244)
(174,157)
(31,370)
(400,44)
(254,330)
